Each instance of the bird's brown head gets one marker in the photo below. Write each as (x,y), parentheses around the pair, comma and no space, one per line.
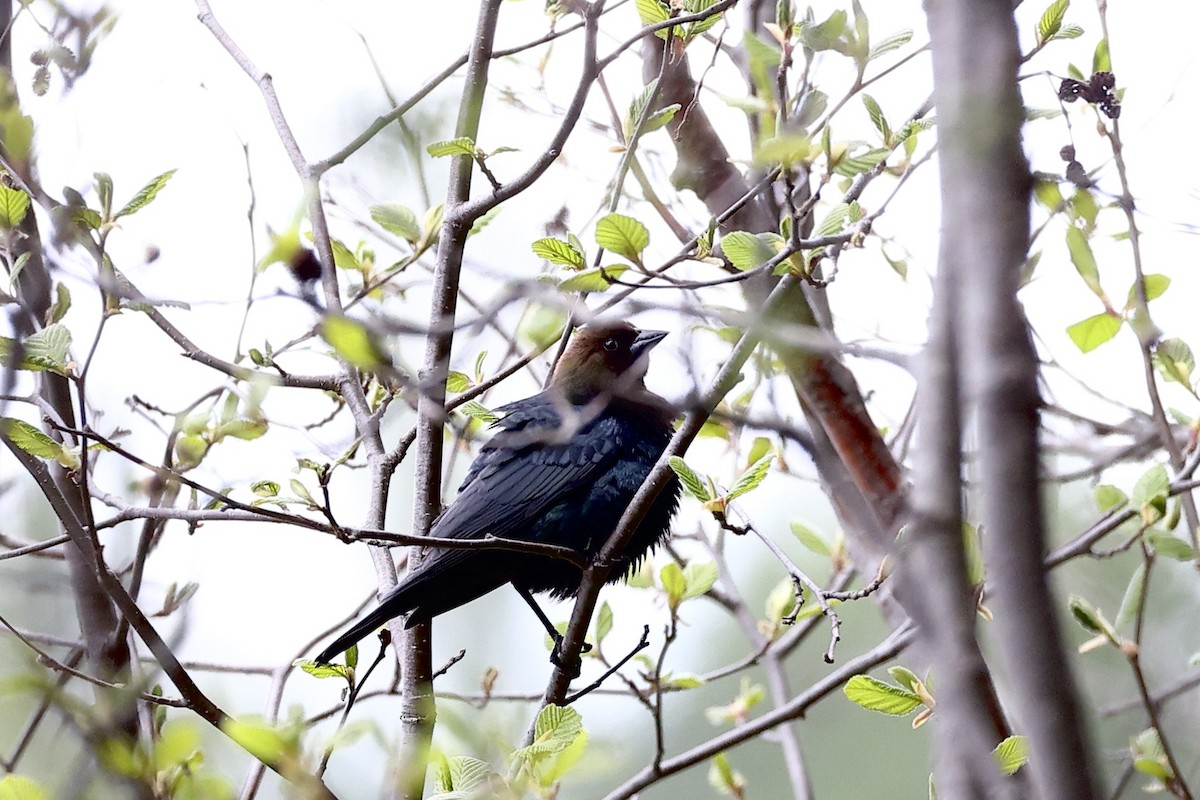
(604,357)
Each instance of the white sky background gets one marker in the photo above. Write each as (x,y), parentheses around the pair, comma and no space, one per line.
(163,94)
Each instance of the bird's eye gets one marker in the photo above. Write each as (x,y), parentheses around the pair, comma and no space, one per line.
(611,344)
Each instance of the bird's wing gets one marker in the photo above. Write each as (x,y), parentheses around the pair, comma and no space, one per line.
(527,467)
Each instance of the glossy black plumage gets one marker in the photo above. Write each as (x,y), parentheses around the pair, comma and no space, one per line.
(561,469)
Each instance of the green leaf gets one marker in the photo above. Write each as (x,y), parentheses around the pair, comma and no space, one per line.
(1131,603)
(326,670)
(145,195)
(258,738)
(1094,331)
(541,325)
(690,480)
(1051,20)
(265,488)
(457,382)
(353,342)
(786,149)
(555,729)
(556,251)
(724,778)
(476,410)
(36,443)
(877,118)
(593,280)
(673,583)
(462,146)
(604,623)
(1109,497)
(483,219)
(811,539)
(62,302)
(652,12)
(746,250)
(1100,58)
(875,695)
(1068,32)
(750,479)
(623,235)
(905,677)
(14,204)
(1153,486)
(399,220)
(1084,261)
(1090,618)
(698,578)
(1155,286)
(1011,754)
(890,43)
(18,787)
(1174,360)
(47,349)
(849,166)
(1164,544)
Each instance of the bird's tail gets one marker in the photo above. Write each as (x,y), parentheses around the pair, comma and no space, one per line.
(392,606)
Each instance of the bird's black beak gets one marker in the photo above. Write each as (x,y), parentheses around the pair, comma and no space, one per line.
(644,341)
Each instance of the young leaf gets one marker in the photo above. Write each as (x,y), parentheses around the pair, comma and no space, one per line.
(752,477)
(399,220)
(673,583)
(1109,497)
(1174,360)
(462,146)
(145,195)
(1131,603)
(457,382)
(1084,261)
(593,280)
(875,695)
(1051,20)
(746,250)
(353,342)
(476,410)
(14,204)
(1155,286)
(36,443)
(556,251)
(1011,754)
(1154,485)
(690,480)
(890,43)
(811,539)
(877,118)
(45,350)
(1164,544)
(1094,331)
(698,578)
(623,235)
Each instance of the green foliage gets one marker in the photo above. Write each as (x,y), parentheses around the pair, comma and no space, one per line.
(1094,331)
(462,146)
(749,251)
(14,204)
(557,251)
(724,778)
(876,695)
(594,280)
(1174,360)
(351,340)
(18,787)
(145,195)
(622,235)
(1011,754)
(637,107)
(1051,20)
(1109,497)
(399,220)
(46,350)
(558,743)
(36,443)
(1150,757)
(749,480)
(736,712)
(692,483)
(460,777)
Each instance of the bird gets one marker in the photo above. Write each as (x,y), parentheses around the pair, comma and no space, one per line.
(561,469)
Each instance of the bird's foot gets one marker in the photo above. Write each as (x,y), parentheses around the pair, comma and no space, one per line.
(556,655)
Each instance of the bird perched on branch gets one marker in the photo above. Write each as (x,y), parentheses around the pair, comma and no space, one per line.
(561,470)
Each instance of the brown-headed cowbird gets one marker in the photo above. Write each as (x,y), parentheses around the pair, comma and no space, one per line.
(561,469)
